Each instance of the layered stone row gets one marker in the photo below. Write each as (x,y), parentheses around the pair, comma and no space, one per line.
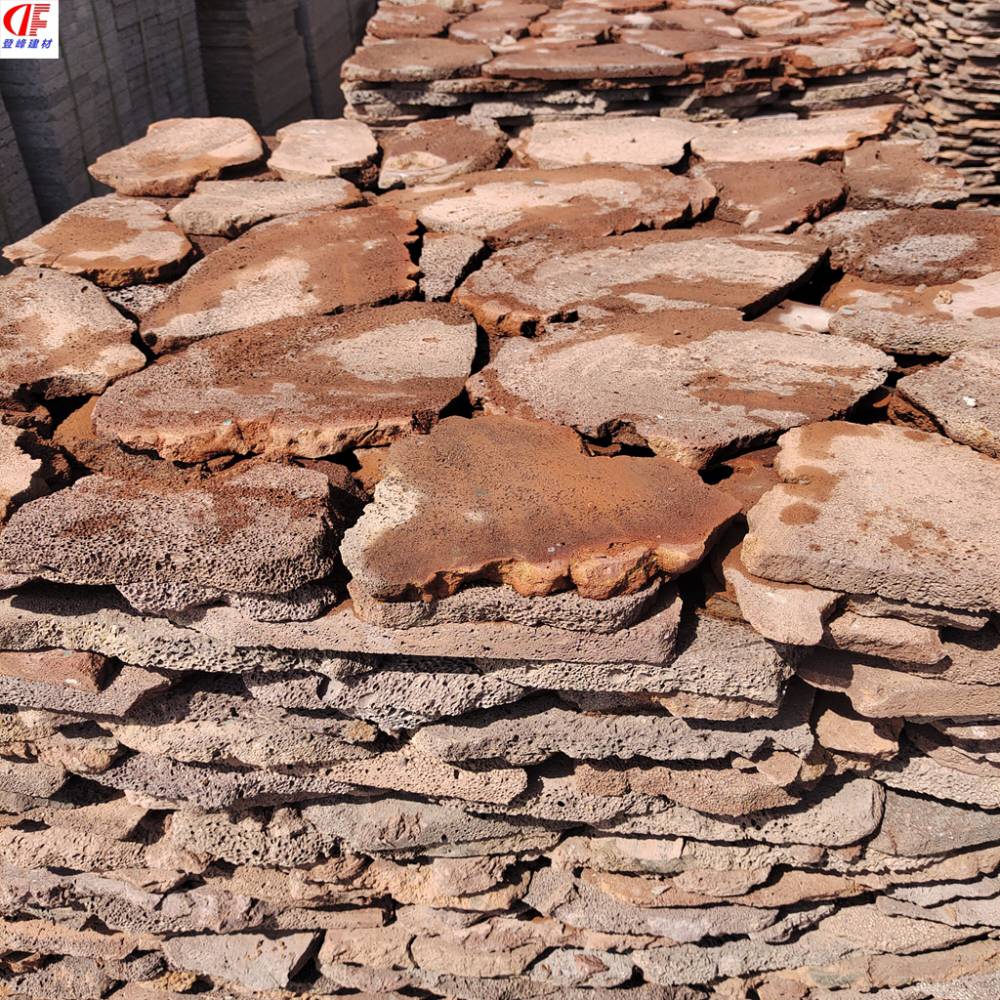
(955,83)
(511,61)
(576,579)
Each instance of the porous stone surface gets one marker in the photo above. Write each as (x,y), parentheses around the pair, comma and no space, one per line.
(229,208)
(113,241)
(641,518)
(177,153)
(59,336)
(304,387)
(319,148)
(895,174)
(435,151)
(20,472)
(444,260)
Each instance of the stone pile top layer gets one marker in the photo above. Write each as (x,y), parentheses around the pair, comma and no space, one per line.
(542,551)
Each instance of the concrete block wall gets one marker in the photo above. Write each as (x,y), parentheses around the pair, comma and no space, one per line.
(18,210)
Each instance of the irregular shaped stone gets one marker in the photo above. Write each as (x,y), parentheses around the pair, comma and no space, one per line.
(520,288)
(889,638)
(411,20)
(317,148)
(839,728)
(938,319)
(503,206)
(445,259)
(415,59)
(766,197)
(895,174)
(176,153)
(963,397)
(610,61)
(882,510)
(256,961)
(306,387)
(654,142)
(642,517)
(689,384)
(82,671)
(130,686)
(920,246)
(437,150)
(301,265)
(113,241)
(228,208)
(919,614)
(261,528)
(21,476)
(785,137)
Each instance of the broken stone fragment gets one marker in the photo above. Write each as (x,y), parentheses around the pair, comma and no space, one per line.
(228,208)
(879,509)
(113,241)
(654,142)
(785,137)
(921,246)
(963,397)
(265,528)
(21,474)
(438,150)
(318,148)
(503,206)
(765,197)
(81,671)
(445,258)
(176,153)
(840,728)
(688,383)
(439,518)
(305,387)
(937,319)
(520,288)
(895,174)
(300,265)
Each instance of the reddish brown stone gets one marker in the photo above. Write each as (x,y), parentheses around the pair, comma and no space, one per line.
(83,671)
(415,59)
(610,62)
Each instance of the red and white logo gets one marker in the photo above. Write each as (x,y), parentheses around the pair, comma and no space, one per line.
(29,30)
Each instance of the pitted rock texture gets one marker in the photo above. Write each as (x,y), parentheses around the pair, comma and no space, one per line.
(642,517)
(20,473)
(690,384)
(301,265)
(305,387)
(113,241)
(59,336)
(506,206)
(177,153)
(520,288)
(228,208)
(879,510)
(436,151)
(311,150)
(896,174)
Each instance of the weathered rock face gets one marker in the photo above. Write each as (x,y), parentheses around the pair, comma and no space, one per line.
(59,336)
(302,265)
(895,174)
(311,150)
(126,241)
(177,153)
(305,387)
(641,518)
(508,206)
(436,151)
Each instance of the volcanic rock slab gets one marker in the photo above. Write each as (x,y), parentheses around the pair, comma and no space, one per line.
(786,138)
(20,478)
(654,142)
(114,241)
(895,174)
(769,197)
(519,288)
(306,387)
(301,265)
(59,336)
(933,319)
(508,205)
(879,510)
(689,384)
(963,397)
(228,208)
(177,153)
(925,246)
(310,150)
(439,150)
(257,529)
(415,59)
(445,258)
(643,517)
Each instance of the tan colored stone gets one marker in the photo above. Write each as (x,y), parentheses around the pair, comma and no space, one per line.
(438,150)
(895,174)
(318,148)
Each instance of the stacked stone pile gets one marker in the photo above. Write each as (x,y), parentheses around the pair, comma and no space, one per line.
(957,93)
(572,580)
(513,61)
